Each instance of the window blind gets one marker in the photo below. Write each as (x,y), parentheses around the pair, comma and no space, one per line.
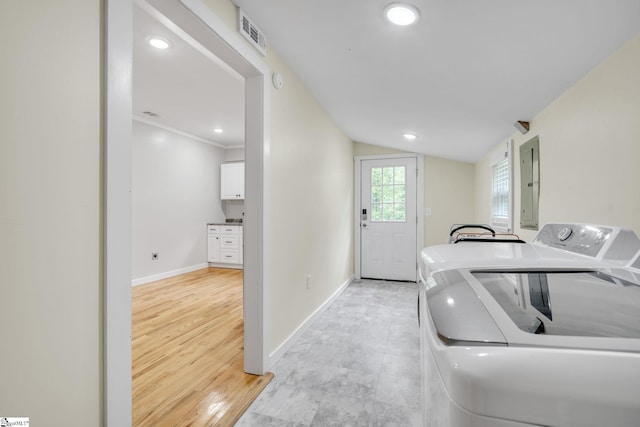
(500,195)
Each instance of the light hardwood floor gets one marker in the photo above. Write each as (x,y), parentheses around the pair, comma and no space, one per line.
(187,344)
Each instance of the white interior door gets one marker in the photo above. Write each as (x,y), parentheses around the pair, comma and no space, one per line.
(388,219)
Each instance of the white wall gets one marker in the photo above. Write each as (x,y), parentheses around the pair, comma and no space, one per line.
(51,241)
(449,191)
(589,150)
(311,204)
(233,209)
(234,154)
(175,192)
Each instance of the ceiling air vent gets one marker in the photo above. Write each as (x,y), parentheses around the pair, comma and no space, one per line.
(251,32)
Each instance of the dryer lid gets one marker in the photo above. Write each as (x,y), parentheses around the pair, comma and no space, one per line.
(588,303)
(458,315)
(593,309)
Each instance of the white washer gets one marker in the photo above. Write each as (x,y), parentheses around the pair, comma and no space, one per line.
(540,334)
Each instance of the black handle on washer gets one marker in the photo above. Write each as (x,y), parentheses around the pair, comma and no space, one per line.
(484,227)
(489,240)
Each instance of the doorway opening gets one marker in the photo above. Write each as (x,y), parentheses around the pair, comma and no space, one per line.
(388,225)
(195,19)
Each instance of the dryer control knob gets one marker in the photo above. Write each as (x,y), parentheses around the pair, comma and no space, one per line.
(565,233)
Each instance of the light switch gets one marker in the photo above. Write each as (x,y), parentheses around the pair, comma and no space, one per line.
(427,211)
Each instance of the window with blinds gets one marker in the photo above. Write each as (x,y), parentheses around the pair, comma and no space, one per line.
(500,196)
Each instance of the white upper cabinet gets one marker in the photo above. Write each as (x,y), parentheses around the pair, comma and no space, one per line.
(232,181)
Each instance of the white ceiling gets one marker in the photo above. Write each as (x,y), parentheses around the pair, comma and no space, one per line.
(191,93)
(459,78)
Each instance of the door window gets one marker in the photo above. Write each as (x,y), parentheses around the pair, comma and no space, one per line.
(388,203)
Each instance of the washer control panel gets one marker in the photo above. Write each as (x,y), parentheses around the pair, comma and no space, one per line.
(578,238)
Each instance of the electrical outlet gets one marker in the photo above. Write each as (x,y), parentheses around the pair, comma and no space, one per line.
(308,281)
(154,256)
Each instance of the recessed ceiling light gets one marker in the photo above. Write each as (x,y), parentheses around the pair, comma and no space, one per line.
(159,42)
(409,136)
(218,130)
(401,14)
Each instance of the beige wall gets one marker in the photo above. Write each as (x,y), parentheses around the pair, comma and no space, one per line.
(360,149)
(449,191)
(50,215)
(311,200)
(589,149)
(311,205)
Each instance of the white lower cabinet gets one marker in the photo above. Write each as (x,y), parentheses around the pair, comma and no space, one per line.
(225,246)
(213,243)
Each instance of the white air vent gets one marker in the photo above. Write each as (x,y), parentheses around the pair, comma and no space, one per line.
(251,32)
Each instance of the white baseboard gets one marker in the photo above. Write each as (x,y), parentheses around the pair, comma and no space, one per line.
(226,265)
(165,275)
(282,349)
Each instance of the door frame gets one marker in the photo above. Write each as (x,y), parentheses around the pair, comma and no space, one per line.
(226,44)
(357,203)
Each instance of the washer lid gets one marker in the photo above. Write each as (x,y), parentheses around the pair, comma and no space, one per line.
(458,315)
(588,303)
(593,309)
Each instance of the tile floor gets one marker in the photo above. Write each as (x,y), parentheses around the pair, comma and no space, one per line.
(357,365)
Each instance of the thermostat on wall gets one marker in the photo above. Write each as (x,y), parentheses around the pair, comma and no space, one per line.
(277,80)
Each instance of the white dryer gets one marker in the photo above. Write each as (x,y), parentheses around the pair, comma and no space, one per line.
(539,334)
